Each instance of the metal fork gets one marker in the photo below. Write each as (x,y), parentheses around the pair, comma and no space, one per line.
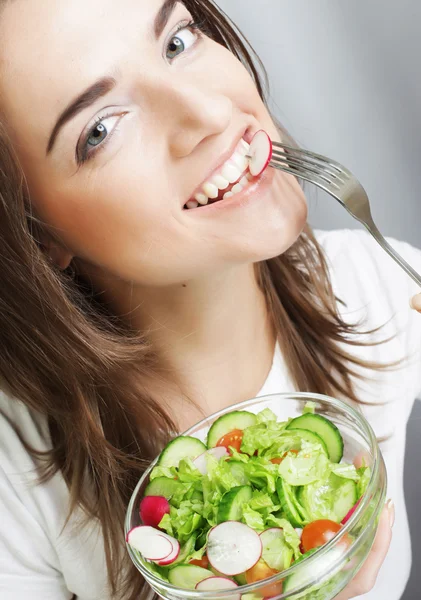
(340,183)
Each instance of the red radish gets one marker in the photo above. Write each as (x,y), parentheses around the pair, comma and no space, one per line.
(260,151)
(174,554)
(152,509)
(217,453)
(233,548)
(151,543)
(350,513)
(218,583)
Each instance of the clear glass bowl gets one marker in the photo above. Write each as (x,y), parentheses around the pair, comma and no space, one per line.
(328,570)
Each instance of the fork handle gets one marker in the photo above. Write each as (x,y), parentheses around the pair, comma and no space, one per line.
(372,228)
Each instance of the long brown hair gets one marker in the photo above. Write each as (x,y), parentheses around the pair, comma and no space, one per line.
(67,358)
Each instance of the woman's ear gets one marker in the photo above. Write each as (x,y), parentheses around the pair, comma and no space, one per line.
(58,254)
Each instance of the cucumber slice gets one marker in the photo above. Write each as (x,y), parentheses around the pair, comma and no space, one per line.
(231,505)
(181,447)
(238,419)
(325,429)
(332,499)
(188,576)
(241,579)
(345,499)
(286,499)
(316,571)
(311,437)
(162,486)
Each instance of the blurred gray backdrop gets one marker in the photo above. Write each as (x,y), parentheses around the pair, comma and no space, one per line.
(345,81)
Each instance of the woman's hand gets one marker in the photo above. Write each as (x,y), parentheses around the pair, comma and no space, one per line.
(366,578)
(416,303)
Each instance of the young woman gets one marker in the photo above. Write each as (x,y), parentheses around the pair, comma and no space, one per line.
(132,302)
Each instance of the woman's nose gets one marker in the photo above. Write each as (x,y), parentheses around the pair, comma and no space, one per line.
(194,114)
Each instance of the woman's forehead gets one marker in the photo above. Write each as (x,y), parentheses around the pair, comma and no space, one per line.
(51,50)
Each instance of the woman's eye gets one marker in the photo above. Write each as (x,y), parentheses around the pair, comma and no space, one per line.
(101,131)
(182,41)
(97,136)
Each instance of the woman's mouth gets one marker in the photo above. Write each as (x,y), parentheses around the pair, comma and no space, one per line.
(230,179)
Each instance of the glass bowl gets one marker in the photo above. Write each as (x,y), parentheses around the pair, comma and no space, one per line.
(329,569)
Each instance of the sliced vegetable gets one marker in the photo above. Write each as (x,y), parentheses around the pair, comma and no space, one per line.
(162,486)
(311,437)
(231,505)
(319,533)
(325,429)
(233,548)
(181,447)
(236,420)
(151,543)
(350,512)
(152,509)
(313,572)
(286,498)
(261,571)
(188,576)
(201,461)
(216,584)
(201,562)
(260,151)
(276,553)
(231,440)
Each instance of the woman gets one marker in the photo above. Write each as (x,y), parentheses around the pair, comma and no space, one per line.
(132,303)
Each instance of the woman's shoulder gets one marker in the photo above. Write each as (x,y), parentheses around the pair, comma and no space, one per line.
(362,270)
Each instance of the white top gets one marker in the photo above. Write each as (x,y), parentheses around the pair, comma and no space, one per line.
(39,561)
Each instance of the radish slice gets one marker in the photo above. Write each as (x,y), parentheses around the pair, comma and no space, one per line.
(233,548)
(150,542)
(218,583)
(299,532)
(350,513)
(260,152)
(200,461)
(174,554)
(152,509)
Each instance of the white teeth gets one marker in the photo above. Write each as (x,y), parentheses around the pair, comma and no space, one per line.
(202,199)
(211,190)
(220,182)
(237,188)
(228,195)
(240,161)
(231,172)
(244,181)
(192,204)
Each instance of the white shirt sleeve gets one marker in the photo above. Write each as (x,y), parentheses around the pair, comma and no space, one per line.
(29,566)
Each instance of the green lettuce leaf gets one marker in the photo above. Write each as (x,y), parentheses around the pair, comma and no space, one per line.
(304,469)
(266,416)
(253,519)
(365,476)
(345,471)
(291,536)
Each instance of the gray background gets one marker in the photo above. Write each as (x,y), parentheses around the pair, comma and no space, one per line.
(345,82)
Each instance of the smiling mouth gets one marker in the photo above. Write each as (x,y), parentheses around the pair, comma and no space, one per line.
(230,179)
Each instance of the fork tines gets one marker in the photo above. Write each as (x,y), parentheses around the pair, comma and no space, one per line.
(307,165)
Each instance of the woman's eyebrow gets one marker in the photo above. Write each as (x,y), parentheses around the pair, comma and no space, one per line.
(163,16)
(93,93)
(104,85)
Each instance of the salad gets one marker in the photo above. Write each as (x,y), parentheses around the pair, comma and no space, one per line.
(258,496)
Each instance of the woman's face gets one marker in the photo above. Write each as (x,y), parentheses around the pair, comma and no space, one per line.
(121,112)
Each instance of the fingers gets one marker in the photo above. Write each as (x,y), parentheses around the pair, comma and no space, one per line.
(367,576)
(415,303)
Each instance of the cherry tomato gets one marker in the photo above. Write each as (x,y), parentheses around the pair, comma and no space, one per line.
(277,461)
(202,562)
(260,571)
(233,438)
(319,533)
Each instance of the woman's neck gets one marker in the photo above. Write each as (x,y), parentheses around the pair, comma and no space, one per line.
(214,339)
